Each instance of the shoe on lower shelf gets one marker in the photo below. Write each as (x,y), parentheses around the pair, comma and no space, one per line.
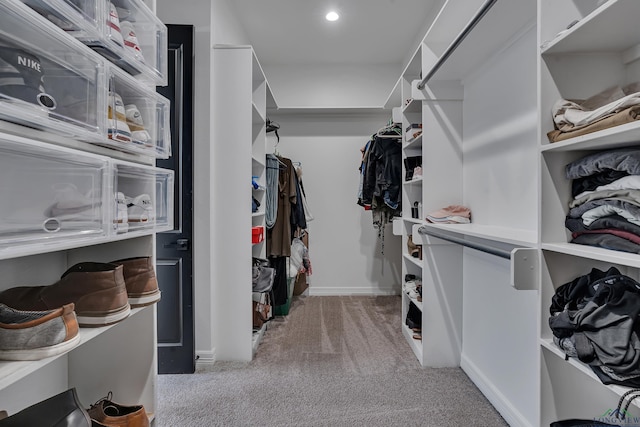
(96,289)
(140,280)
(34,335)
(106,412)
(63,409)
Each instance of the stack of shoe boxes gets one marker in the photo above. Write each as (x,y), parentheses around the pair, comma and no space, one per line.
(77,76)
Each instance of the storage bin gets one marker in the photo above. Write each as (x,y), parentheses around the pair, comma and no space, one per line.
(142,197)
(257,234)
(124,31)
(137,117)
(49,194)
(50,81)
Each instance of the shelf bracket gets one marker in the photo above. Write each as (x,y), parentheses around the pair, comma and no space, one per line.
(524,269)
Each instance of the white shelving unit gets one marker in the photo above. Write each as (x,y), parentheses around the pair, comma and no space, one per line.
(479,150)
(606,38)
(241,102)
(58,154)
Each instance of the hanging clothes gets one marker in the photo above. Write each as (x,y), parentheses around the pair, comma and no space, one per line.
(279,236)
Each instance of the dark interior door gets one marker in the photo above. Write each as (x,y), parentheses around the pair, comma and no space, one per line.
(174,253)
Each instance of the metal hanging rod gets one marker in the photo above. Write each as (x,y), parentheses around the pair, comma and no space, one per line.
(484,248)
(453,46)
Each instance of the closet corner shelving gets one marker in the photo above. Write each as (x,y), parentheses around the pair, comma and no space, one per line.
(598,52)
(60,154)
(242,95)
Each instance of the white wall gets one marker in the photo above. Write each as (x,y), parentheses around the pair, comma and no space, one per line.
(214,22)
(344,249)
(331,85)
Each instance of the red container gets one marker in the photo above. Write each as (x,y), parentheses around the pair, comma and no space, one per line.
(257,234)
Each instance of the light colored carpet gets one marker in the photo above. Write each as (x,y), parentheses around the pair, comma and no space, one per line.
(333,361)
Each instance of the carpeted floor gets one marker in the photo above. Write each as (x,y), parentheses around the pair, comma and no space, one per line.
(333,361)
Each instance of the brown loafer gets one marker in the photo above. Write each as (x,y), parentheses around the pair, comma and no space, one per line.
(97,290)
(140,279)
(106,412)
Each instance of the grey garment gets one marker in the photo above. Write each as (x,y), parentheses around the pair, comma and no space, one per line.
(627,160)
(607,241)
(633,195)
(607,210)
(630,205)
(273,171)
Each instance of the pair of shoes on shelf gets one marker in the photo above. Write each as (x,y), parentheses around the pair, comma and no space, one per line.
(122,31)
(137,210)
(65,409)
(72,208)
(97,293)
(125,122)
(414,250)
(413,288)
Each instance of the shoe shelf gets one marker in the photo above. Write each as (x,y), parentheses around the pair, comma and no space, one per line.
(14,371)
(415,261)
(416,345)
(126,32)
(414,181)
(413,300)
(413,106)
(415,143)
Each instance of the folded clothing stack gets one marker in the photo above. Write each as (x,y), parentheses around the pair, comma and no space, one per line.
(452,214)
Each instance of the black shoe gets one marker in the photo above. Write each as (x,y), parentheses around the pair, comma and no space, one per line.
(62,410)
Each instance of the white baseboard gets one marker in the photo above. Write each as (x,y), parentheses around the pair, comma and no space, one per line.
(340,291)
(205,360)
(497,399)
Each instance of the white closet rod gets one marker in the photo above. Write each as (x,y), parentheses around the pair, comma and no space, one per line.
(453,46)
(484,248)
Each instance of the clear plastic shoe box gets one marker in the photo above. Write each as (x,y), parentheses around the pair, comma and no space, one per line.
(143,197)
(137,117)
(50,194)
(48,80)
(124,31)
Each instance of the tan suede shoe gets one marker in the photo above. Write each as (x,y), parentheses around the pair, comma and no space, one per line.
(97,289)
(106,412)
(140,279)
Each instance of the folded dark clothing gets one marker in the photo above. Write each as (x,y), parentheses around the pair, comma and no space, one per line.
(572,295)
(607,241)
(575,225)
(624,234)
(625,159)
(591,182)
(622,203)
(627,115)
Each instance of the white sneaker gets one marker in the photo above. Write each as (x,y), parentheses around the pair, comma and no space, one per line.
(140,209)
(118,128)
(131,40)
(113,26)
(139,134)
(72,208)
(122,218)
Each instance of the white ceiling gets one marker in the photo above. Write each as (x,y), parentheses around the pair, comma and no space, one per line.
(368,31)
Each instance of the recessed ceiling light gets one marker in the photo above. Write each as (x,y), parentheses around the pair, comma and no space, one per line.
(332,16)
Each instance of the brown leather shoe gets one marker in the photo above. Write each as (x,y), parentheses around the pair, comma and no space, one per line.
(106,412)
(140,279)
(97,290)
